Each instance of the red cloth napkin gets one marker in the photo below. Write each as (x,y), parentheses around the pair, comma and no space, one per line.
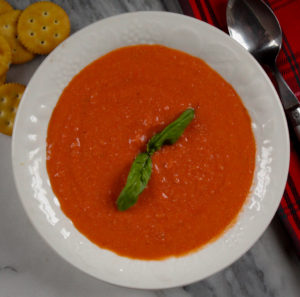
(287,12)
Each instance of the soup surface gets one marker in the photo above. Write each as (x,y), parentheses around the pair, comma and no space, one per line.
(105,117)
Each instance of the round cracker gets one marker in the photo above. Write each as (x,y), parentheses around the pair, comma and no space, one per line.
(8,23)
(20,54)
(2,79)
(8,29)
(5,7)
(10,96)
(42,26)
(5,55)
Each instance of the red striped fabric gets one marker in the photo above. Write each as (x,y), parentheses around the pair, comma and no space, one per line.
(287,12)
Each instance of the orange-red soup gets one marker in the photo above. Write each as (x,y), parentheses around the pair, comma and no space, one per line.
(104,118)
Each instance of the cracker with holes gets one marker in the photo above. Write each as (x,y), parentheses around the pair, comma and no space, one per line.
(5,56)
(2,79)
(42,26)
(10,96)
(8,29)
(4,6)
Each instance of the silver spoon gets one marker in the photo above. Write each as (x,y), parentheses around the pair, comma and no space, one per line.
(253,24)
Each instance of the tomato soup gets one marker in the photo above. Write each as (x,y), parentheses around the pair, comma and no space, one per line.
(106,116)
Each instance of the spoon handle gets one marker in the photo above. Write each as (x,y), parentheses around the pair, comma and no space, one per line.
(289,101)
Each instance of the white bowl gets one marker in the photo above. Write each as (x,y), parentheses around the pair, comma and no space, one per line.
(227,58)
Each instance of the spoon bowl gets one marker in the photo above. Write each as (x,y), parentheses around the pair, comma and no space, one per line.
(254,25)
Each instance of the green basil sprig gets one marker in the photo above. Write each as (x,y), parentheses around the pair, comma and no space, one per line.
(141,168)
(137,180)
(171,133)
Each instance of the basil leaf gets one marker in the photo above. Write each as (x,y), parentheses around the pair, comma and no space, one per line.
(171,133)
(141,168)
(137,180)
